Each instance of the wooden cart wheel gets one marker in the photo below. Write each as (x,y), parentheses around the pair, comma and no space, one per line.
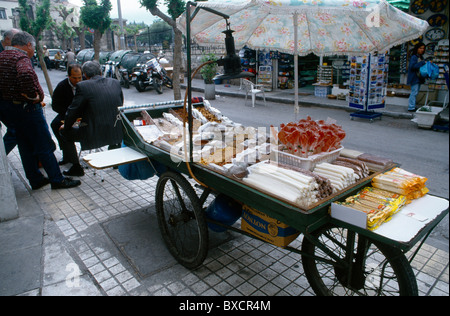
(351,264)
(181,220)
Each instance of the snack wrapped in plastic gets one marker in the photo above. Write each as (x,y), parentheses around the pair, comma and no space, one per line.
(374,162)
(375,217)
(403,182)
(379,205)
(393,200)
(359,167)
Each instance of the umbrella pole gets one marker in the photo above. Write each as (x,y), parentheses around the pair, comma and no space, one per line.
(296,109)
(189,83)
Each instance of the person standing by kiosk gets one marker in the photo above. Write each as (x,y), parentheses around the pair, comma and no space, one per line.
(415,62)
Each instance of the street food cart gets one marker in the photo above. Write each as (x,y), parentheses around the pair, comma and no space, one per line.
(340,255)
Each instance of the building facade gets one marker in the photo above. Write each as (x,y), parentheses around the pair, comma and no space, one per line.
(9,18)
(9,15)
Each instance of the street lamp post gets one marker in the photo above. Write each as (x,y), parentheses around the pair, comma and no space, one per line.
(122,38)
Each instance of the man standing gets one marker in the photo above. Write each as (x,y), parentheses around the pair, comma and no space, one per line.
(7,37)
(96,101)
(62,98)
(70,57)
(9,139)
(22,96)
(47,58)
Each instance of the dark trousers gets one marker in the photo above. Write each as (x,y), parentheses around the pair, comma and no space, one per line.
(34,142)
(48,63)
(9,139)
(76,135)
(67,146)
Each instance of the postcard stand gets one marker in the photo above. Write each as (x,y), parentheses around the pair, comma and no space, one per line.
(367,85)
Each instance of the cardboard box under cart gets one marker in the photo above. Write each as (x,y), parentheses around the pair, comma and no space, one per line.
(267,228)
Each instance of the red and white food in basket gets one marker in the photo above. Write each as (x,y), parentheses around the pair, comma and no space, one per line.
(308,137)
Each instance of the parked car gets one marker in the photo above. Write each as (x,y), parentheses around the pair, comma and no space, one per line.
(85,55)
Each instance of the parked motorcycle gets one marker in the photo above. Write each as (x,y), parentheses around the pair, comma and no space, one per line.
(167,81)
(111,70)
(124,77)
(150,74)
(108,69)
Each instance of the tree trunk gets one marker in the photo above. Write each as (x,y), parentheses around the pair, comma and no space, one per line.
(81,37)
(44,67)
(177,57)
(97,42)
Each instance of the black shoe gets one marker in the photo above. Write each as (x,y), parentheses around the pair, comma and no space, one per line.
(62,162)
(67,183)
(43,183)
(74,171)
(411,110)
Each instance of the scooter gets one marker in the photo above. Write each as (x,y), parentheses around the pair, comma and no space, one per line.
(167,81)
(108,70)
(124,77)
(149,74)
(113,70)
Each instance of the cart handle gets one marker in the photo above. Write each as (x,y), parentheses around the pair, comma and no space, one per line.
(151,105)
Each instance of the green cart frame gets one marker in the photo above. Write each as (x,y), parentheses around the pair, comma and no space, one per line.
(338,258)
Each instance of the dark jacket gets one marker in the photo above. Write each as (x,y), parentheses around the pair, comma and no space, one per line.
(96,102)
(414,66)
(62,97)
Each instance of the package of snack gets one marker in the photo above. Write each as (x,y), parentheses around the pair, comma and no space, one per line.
(393,200)
(379,205)
(402,182)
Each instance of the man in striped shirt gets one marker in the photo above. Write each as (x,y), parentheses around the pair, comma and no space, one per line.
(22,95)
(9,139)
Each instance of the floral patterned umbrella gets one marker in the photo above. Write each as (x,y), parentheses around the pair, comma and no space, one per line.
(301,27)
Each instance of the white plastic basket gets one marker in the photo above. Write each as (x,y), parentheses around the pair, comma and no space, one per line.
(304,163)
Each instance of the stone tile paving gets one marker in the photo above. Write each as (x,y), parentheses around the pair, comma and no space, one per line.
(242,266)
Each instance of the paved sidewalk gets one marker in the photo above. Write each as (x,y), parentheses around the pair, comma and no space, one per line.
(102,239)
(394,105)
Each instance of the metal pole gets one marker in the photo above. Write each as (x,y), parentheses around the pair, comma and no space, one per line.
(122,37)
(296,108)
(189,74)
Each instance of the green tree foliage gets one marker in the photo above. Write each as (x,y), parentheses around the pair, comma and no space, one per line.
(96,16)
(64,31)
(36,25)
(158,32)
